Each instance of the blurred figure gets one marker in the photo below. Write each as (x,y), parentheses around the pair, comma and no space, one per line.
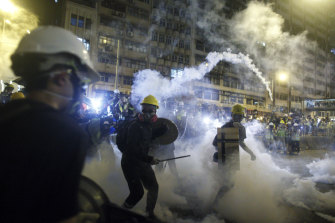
(295,139)
(5,95)
(281,132)
(269,137)
(41,163)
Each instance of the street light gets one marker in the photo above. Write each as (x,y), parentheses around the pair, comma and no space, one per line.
(281,77)
(7,6)
(284,77)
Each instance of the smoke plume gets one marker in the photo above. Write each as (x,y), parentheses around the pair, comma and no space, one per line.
(14,26)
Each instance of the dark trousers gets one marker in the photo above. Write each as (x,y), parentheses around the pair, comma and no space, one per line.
(139,174)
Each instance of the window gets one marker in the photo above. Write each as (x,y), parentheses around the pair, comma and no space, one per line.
(169,24)
(136,64)
(162,22)
(73,19)
(175,72)
(182,13)
(175,12)
(145,1)
(170,11)
(154,36)
(85,42)
(81,22)
(161,38)
(199,45)
(175,26)
(187,60)
(88,24)
(174,58)
(198,93)
(249,101)
(108,41)
(104,76)
(168,40)
(188,31)
(134,46)
(181,59)
(187,45)
(127,80)
(138,12)
(107,58)
(215,95)
(207,95)
(181,44)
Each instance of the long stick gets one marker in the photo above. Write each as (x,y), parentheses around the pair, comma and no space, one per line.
(179,157)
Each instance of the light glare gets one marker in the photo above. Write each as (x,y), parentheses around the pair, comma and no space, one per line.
(282,77)
(7,6)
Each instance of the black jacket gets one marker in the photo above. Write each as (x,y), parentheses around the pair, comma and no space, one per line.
(139,140)
(42,156)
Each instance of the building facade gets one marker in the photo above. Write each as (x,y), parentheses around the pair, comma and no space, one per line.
(124,37)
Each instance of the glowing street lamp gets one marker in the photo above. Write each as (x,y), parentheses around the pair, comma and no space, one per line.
(7,6)
(282,77)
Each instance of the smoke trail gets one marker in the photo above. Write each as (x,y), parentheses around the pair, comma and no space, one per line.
(259,32)
(151,82)
(14,26)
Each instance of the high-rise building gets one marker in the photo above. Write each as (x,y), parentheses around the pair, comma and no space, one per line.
(124,37)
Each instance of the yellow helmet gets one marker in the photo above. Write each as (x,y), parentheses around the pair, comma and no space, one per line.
(150,100)
(17,95)
(9,85)
(237,109)
(282,121)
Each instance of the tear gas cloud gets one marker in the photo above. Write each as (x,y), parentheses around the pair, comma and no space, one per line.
(14,26)
(262,192)
(152,82)
(259,32)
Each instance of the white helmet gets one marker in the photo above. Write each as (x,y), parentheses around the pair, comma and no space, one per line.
(50,40)
(271,124)
(296,125)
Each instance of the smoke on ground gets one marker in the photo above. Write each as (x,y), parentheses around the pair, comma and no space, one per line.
(262,192)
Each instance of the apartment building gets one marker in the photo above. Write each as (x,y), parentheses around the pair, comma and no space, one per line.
(126,36)
(316,74)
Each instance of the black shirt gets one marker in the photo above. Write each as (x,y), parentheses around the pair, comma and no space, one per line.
(42,156)
(139,141)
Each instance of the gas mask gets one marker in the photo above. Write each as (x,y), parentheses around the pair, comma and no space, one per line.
(148,114)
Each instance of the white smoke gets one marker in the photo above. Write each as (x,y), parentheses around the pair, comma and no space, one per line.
(262,192)
(259,32)
(152,82)
(14,26)
(323,170)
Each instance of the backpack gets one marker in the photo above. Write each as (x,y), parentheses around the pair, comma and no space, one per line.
(122,132)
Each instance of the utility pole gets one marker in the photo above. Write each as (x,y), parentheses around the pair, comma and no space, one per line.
(117,64)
